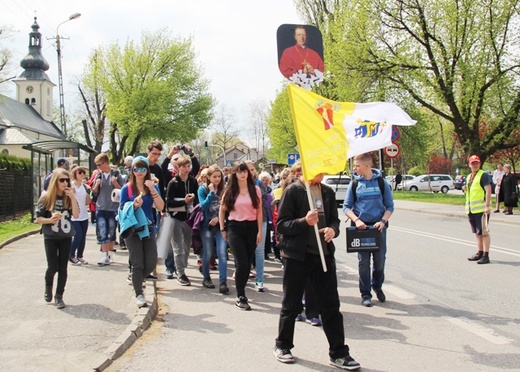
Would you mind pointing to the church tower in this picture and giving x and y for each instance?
(33, 86)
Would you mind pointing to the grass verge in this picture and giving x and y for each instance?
(13, 228)
(454, 197)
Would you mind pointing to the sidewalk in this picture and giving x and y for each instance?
(100, 322)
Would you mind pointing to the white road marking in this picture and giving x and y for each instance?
(392, 289)
(495, 248)
(486, 333)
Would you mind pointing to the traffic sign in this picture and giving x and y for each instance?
(393, 150)
(292, 158)
(395, 133)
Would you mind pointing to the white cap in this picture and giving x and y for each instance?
(129, 159)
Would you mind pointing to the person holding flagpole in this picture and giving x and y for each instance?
(300, 251)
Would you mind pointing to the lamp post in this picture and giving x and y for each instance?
(220, 147)
(60, 75)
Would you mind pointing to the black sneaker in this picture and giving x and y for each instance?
(223, 288)
(151, 277)
(183, 280)
(207, 283)
(477, 256)
(347, 363)
(48, 293)
(283, 355)
(241, 303)
(58, 301)
(380, 295)
(483, 260)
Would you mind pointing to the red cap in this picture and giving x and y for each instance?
(473, 158)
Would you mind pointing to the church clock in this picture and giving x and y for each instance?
(29, 89)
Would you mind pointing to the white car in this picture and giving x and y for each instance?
(339, 184)
(391, 180)
(430, 182)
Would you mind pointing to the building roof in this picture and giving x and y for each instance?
(14, 114)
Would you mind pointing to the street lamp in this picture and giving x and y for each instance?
(220, 147)
(60, 75)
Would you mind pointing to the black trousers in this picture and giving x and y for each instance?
(325, 284)
(241, 236)
(57, 252)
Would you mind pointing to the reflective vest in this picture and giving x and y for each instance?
(475, 195)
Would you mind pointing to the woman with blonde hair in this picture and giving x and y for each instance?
(54, 213)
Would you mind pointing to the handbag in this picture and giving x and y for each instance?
(367, 240)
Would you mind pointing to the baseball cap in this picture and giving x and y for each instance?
(473, 158)
(61, 161)
(129, 159)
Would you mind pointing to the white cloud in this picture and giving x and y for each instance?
(235, 39)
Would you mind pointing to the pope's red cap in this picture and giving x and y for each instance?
(473, 158)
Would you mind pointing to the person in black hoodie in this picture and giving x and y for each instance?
(299, 248)
(180, 200)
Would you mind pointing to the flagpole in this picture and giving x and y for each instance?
(316, 231)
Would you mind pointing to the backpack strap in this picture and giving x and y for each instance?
(129, 190)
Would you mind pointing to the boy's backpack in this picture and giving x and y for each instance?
(380, 182)
(46, 180)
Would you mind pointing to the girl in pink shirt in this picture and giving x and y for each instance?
(242, 204)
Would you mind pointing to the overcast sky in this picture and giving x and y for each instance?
(235, 40)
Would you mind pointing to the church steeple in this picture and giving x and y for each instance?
(34, 63)
(33, 86)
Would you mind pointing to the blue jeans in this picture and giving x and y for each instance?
(80, 236)
(378, 270)
(211, 235)
(106, 226)
(260, 255)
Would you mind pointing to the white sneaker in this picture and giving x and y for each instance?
(104, 260)
(111, 256)
(141, 301)
(83, 262)
(259, 286)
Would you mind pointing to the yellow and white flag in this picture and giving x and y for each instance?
(329, 132)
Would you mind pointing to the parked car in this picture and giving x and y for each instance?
(339, 184)
(459, 182)
(391, 180)
(430, 182)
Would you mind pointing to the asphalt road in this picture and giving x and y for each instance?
(442, 311)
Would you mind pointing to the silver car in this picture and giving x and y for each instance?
(338, 184)
(430, 182)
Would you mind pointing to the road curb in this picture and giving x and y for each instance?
(126, 339)
(18, 237)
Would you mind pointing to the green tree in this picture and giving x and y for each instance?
(94, 103)
(280, 128)
(456, 58)
(153, 90)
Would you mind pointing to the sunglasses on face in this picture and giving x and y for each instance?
(80, 172)
(140, 170)
(242, 171)
(63, 180)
